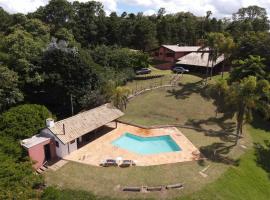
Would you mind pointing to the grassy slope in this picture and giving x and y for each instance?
(248, 181)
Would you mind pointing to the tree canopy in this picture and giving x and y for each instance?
(23, 121)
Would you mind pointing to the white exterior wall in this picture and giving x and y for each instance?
(72, 147)
(63, 149)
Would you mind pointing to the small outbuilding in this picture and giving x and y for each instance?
(58, 139)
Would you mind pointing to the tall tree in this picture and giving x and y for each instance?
(5, 20)
(119, 97)
(10, 94)
(254, 43)
(252, 66)
(67, 72)
(252, 18)
(58, 13)
(245, 96)
(89, 22)
(226, 47)
(145, 34)
(212, 45)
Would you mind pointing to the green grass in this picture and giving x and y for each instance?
(171, 105)
(157, 62)
(248, 181)
(184, 105)
(144, 84)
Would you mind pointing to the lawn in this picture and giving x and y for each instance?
(184, 105)
(247, 181)
(166, 77)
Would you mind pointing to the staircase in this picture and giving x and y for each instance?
(175, 79)
(43, 168)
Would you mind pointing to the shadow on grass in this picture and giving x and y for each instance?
(262, 153)
(217, 152)
(259, 122)
(186, 90)
(227, 128)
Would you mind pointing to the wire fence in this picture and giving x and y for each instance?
(142, 86)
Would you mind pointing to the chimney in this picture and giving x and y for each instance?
(64, 129)
(49, 123)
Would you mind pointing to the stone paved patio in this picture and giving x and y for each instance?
(101, 148)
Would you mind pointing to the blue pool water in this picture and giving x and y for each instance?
(146, 145)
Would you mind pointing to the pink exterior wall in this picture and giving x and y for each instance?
(180, 54)
(37, 153)
(162, 55)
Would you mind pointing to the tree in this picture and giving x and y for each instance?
(22, 47)
(119, 96)
(17, 177)
(226, 47)
(10, 94)
(23, 121)
(254, 43)
(5, 21)
(245, 96)
(252, 66)
(89, 22)
(58, 13)
(212, 45)
(118, 63)
(67, 72)
(252, 18)
(145, 34)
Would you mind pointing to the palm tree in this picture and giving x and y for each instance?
(226, 48)
(245, 96)
(119, 97)
(211, 45)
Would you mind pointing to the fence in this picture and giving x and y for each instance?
(152, 84)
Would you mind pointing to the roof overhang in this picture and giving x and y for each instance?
(78, 125)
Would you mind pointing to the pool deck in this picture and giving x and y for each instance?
(101, 148)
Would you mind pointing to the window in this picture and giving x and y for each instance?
(156, 54)
(71, 142)
(57, 144)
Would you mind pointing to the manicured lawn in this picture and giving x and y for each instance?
(248, 181)
(143, 84)
(183, 105)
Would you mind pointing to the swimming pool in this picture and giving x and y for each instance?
(146, 145)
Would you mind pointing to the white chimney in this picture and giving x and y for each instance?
(49, 123)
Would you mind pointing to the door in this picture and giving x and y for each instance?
(47, 150)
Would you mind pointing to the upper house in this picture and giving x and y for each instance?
(59, 139)
(171, 53)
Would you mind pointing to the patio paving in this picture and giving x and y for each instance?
(101, 148)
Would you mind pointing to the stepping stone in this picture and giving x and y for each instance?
(243, 146)
(203, 174)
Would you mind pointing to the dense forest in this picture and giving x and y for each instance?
(71, 56)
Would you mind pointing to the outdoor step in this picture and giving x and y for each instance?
(43, 168)
(39, 171)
